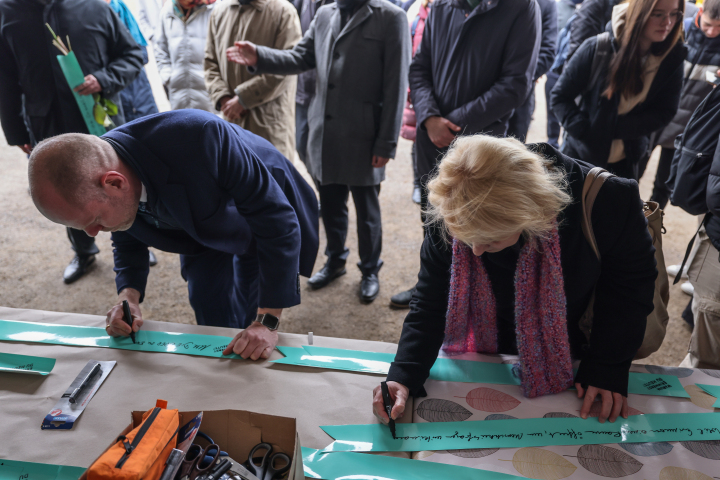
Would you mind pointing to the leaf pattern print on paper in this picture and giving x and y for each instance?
(700, 397)
(607, 462)
(438, 410)
(677, 371)
(473, 452)
(542, 464)
(647, 449)
(559, 415)
(712, 373)
(705, 448)
(423, 454)
(500, 416)
(677, 473)
(490, 400)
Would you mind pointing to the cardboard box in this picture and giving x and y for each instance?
(238, 431)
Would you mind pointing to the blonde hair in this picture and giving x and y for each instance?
(487, 189)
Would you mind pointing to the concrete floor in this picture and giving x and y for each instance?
(34, 253)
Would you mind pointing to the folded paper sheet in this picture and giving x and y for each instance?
(74, 76)
(713, 390)
(9, 362)
(147, 341)
(531, 432)
(451, 370)
(358, 466)
(14, 470)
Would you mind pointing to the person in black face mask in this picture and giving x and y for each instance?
(361, 49)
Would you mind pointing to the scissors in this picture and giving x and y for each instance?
(267, 470)
(199, 461)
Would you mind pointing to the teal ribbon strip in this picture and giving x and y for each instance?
(451, 370)
(147, 341)
(713, 390)
(357, 466)
(10, 362)
(531, 432)
(14, 470)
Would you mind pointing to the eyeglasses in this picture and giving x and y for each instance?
(674, 16)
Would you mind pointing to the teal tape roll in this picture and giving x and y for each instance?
(531, 432)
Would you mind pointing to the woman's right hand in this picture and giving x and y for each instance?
(244, 53)
(399, 393)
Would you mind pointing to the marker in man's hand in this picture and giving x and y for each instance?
(127, 316)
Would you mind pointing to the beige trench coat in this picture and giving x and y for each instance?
(269, 99)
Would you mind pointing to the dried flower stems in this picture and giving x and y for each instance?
(57, 41)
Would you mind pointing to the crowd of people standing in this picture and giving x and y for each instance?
(338, 82)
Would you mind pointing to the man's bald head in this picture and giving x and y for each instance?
(79, 181)
(71, 164)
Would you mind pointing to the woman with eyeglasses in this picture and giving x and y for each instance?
(629, 82)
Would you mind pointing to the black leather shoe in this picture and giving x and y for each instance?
(402, 299)
(77, 268)
(153, 258)
(325, 276)
(369, 288)
(416, 195)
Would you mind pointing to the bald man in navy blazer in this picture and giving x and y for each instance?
(243, 220)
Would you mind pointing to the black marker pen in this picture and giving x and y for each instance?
(86, 381)
(128, 318)
(388, 403)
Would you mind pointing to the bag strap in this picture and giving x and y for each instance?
(603, 49)
(593, 182)
(689, 248)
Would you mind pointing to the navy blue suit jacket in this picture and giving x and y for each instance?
(228, 189)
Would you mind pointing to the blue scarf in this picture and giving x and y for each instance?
(127, 18)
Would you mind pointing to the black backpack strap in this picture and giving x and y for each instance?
(601, 58)
(689, 248)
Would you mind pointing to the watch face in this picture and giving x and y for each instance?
(270, 321)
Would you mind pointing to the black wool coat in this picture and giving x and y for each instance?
(624, 284)
(593, 125)
(473, 67)
(28, 67)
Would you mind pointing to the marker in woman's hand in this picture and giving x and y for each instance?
(388, 403)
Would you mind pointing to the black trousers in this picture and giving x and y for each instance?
(223, 288)
(553, 126)
(82, 243)
(519, 122)
(333, 205)
(661, 192)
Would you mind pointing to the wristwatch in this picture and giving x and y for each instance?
(268, 320)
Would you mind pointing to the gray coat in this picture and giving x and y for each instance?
(362, 81)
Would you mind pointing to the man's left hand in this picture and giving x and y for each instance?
(89, 86)
(379, 162)
(233, 109)
(613, 403)
(256, 341)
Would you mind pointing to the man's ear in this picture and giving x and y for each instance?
(114, 182)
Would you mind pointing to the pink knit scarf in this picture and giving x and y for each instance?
(540, 314)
